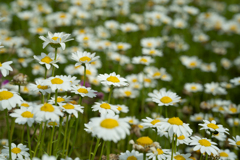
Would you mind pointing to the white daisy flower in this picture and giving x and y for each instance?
(71, 109)
(59, 82)
(121, 46)
(158, 153)
(177, 156)
(183, 140)
(142, 60)
(122, 108)
(17, 151)
(9, 99)
(151, 123)
(132, 120)
(126, 92)
(4, 142)
(40, 86)
(48, 60)
(112, 79)
(46, 111)
(227, 155)
(110, 127)
(52, 123)
(235, 81)
(215, 89)
(175, 126)
(5, 68)
(84, 58)
(60, 99)
(198, 117)
(213, 127)
(193, 87)
(45, 157)
(165, 98)
(105, 108)
(152, 52)
(84, 91)
(23, 116)
(134, 155)
(235, 141)
(56, 39)
(204, 145)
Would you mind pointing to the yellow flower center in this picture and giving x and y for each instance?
(131, 158)
(159, 151)
(144, 60)
(193, 88)
(134, 80)
(130, 121)
(149, 44)
(113, 79)
(21, 60)
(57, 81)
(5, 95)
(152, 52)
(182, 137)
(85, 38)
(52, 123)
(198, 118)
(175, 121)
(156, 74)
(0, 64)
(68, 106)
(128, 93)
(85, 58)
(193, 64)
(55, 38)
(155, 121)
(144, 141)
(60, 99)
(63, 16)
(27, 114)
(140, 126)
(213, 126)
(223, 154)
(42, 87)
(109, 123)
(179, 157)
(88, 72)
(221, 109)
(39, 30)
(119, 108)
(193, 158)
(16, 150)
(105, 106)
(204, 142)
(120, 47)
(82, 90)
(147, 80)
(25, 105)
(233, 110)
(46, 59)
(166, 99)
(47, 108)
(238, 143)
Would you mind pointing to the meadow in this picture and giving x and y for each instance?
(119, 80)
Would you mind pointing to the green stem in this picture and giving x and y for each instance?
(68, 141)
(45, 76)
(110, 94)
(172, 147)
(56, 95)
(144, 156)
(59, 135)
(75, 133)
(42, 99)
(35, 129)
(42, 138)
(108, 149)
(9, 135)
(206, 156)
(100, 157)
(12, 128)
(54, 59)
(95, 149)
(19, 89)
(65, 134)
(84, 78)
(166, 114)
(22, 134)
(29, 141)
(201, 156)
(39, 138)
(52, 134)
(89, 156)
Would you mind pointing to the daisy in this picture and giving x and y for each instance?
(178, 156)
(121, 46)
(183, 140)
(152, 123)
(46, 111)
(122, 108)
(158, 153)
(110, 127)
(56, 39)
(60, 99)
(142, 60)
(213, 127)
(52, 123)
(23, 116)
(215, 89)
(5, 68)
(198, 117)
(48, 60)
(127, 92)
(132, 120)
(71, 109)
(84, 91)
(104, 108)
(152, 52)
(134, 155)
(204, 145)
(227, 155)
(175, 126)
(193, 87)
(112, 79)
(165, 98)
(235, 141)
(9, 99)
(17, 151)
(59, 82)
(45, 157)
(85, 58)
(40, 86)
(235, 81)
